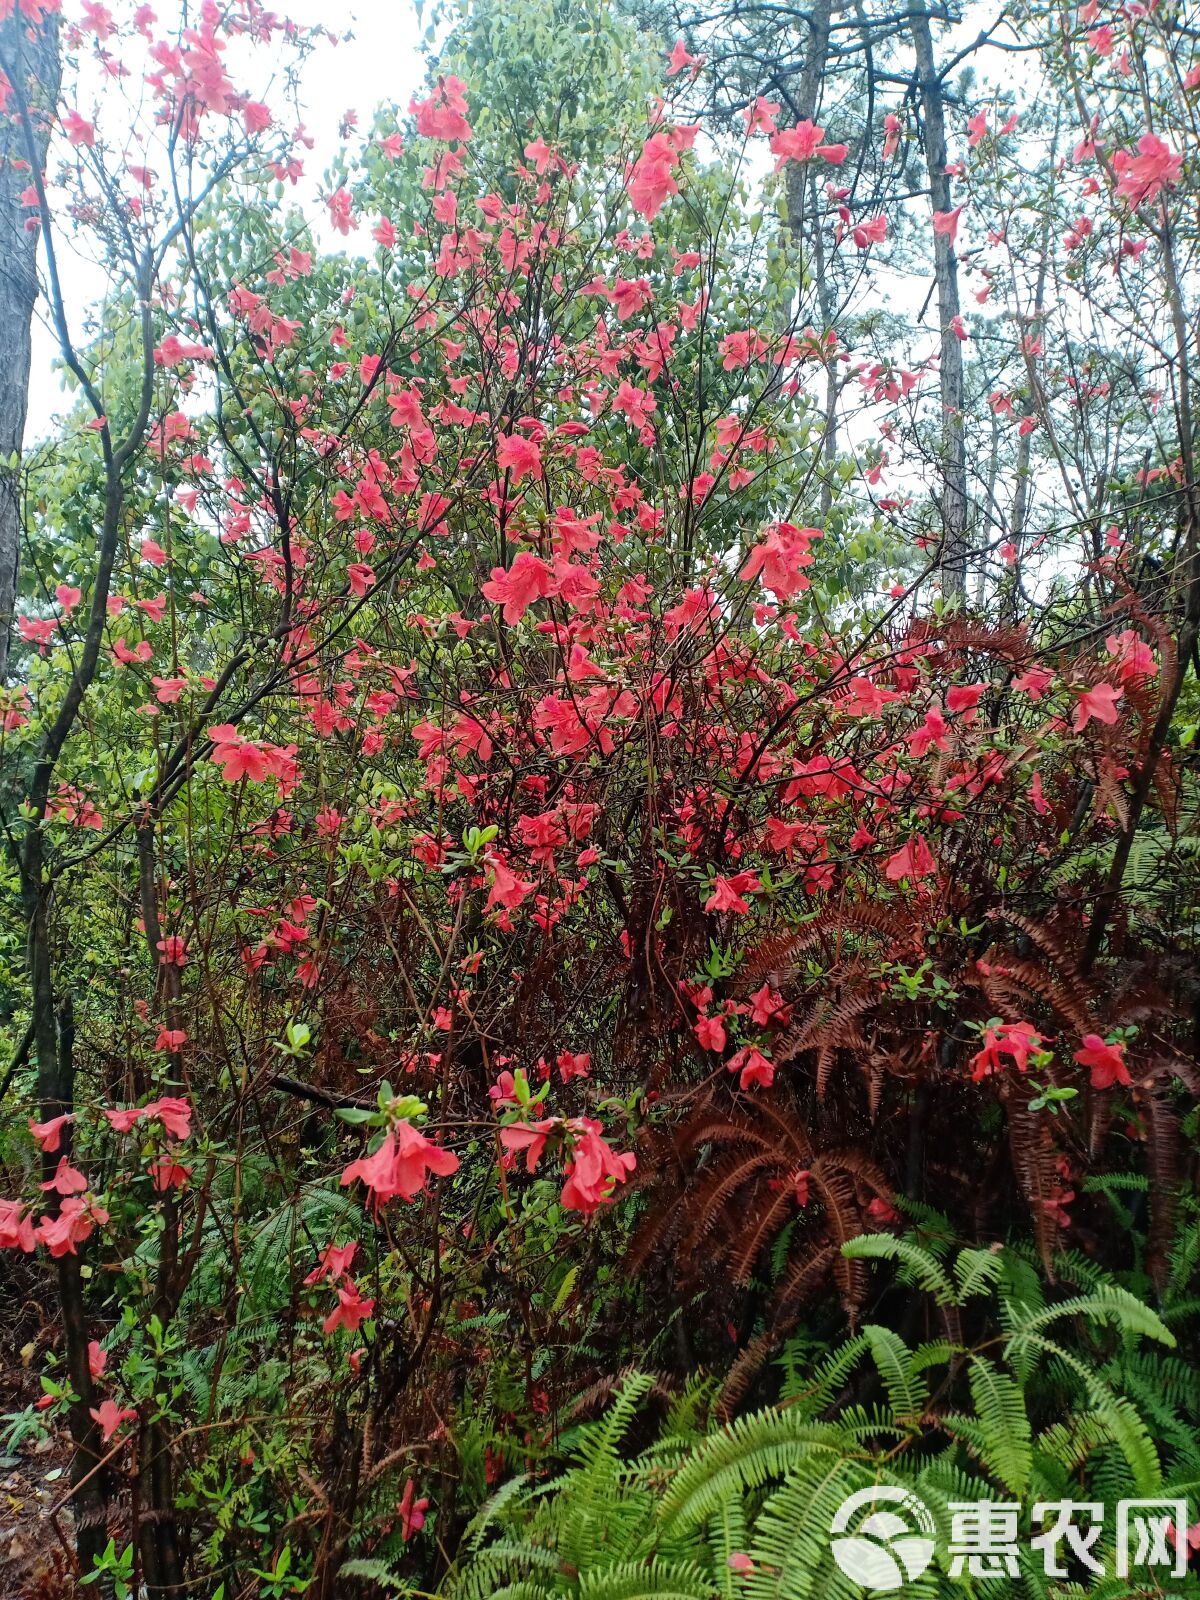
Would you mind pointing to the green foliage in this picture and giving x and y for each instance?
(296, 810)
(1025, 1415)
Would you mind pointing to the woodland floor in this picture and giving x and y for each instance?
(35, 1536)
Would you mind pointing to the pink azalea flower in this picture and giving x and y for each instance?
(1099, 702)
(594, 1170)
(350, 1311)
(1106, 1061)
(913, 860)
(400, 1164)
(110, 1416)
(49, 1134)
(411, 1512)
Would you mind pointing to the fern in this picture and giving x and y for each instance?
(743, 1510)
(1109, 1303)
(918, 1265)
(635, 1581)
(906, 1394)
(1007, 1443)
(372, 1571)
(744, 1456)
(976, 1272)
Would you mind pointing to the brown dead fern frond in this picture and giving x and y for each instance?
(1034, 1160)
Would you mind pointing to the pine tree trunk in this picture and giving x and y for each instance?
(954, 459)
(805, 100)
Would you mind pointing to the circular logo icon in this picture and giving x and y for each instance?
(882, 1550)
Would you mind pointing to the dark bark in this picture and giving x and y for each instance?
(54, 1040)
(954, 458)
(805, 99)
(1020, 508)
(158, 1533)
(55, 1067)
(34, 52)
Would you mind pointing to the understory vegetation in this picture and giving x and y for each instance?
(600, 813)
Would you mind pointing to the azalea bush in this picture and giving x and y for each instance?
(517, 855)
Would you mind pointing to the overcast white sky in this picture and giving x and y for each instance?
(381, 63)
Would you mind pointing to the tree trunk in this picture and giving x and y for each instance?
(54, 1037)
(954, 459)
(1020, 508)
(805, 105)
(34, 49)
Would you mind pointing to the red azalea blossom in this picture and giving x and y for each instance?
(1144, 175)
(67, 1179)
(573, 1066)
(802, 143)
(16, 1227)
(1099, 702)
(913, 860)
(1105, 1061)
(530, 1137)
(110, 1416)
(350, 1311)
(411, 1512)
(400, 1164)
(335, 1260)
(593, 1170)
(728, 894)
(49, 1134)
(1017, 1040)
(75, 1223)
(167, 1174)
(756, 1069)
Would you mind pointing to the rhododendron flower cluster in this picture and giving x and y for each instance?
(172, 1111)
(1017, 1041)
(398, 1167)
(1105, 1061)
(61, 1231)
(592, 1168)
(652, 176)
(513, 633)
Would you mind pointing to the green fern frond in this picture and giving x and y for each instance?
(373, 1571)
(494, 1511)
(653, 1580)
(907, 1395)
(815, 1391)
(1129, 1431)
(744, 1456)
(791, 1548)
(977, 1271)
(917, 1265)
(1108, 1303)
(1007, 1443)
